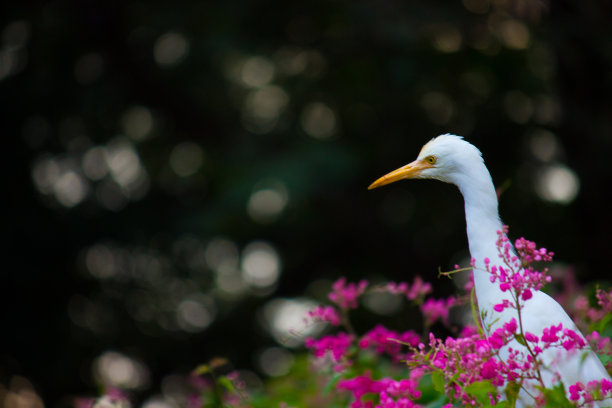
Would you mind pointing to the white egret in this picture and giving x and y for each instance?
(451, 159)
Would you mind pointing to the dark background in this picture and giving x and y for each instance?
(137, 133)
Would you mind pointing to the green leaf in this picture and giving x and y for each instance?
(332, 383)
(202, 369)
(481, 390)
(226, 383)
(438, 403)
(555, 397)
(601, 325)
(520, 338)
(512, 392)
(438, 381)
(475, 312)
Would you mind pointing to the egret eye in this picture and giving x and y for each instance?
(431, 159)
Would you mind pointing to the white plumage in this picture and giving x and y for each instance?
(451, 159)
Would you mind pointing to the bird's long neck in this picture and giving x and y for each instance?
(482, 224)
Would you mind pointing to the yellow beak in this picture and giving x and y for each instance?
(409, 171)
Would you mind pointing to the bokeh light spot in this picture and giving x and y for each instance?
(119, 370)
(170, 49)
(261, 264)
(558, 183)
(291, 60)
(94, 163)
(195, 314)
(257, 72)
(70, 188)
(275, 361)
(263, 107)
(268, 202)
(319, 120)
(126, 168)
(544, 145)
(137, 122)
(44, 173)
(382, 303)
(476, 6)
(447, 39)
(284, 319)
(20, 394)
(221, 254)
(514, 34)
(186, 158)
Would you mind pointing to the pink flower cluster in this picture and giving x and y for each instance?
(418, 290)
(587, 315)
(593, 391)
(461, 361)
(337, 345)
(528, 252)
(516, 274)
(391, 393)
(437, 309)
(471, 358)
(602, 346)
(346, 295)
(467, 365)
(324, 314)
(382, 340)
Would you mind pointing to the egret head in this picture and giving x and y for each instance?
(446, 158)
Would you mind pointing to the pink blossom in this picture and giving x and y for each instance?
(499, 307)
(511, 326)
(418, 289)
(516, 274)
(497, 339)
(381, 339)
(325, 314)
(549, 334)
(575, 390)
(391, 393)
(574, 341)
(437, 309)
(606, 386)
(346, 295)
(526, 295)
(337, 344)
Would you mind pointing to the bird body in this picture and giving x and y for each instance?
(451, 159)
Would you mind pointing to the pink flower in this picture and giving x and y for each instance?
(489, 369)
(391, 393)
(574, 341)
(497, 339)
(437, 309)
(418, 289)
(526, 295)
(575, 390)
(606, 386)
(381, 339)
(499, 307)
(336, 344)
(511, 327)
(325, 314)
(345, 295)
(549, 334)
